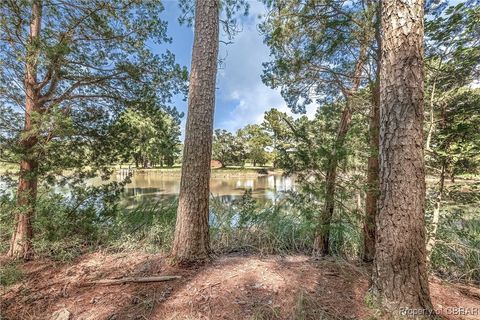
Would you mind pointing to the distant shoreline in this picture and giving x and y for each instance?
(215, 172)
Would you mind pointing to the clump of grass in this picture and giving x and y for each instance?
(10, 273)
(246, 226)
(149, 227)
(266, 312)
(456, 255)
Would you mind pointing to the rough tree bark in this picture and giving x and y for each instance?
(400, 277)
(322, 237)
(21, 241)
(191, 241)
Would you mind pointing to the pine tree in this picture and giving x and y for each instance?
(192, 241)
(400, 277)
(66, 68)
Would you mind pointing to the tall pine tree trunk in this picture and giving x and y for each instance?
(191, 241)
(400, 277)
(21, 241)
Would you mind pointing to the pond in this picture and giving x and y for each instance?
(156, 185)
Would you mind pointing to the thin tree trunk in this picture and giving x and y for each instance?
(431, 126)
(191, 241)
(400, 275)
(372, 179)
(438, 201)
(145, 161)
(322, 237)
(372, 164)
(21, 241)
(436, 214)
(358, 196)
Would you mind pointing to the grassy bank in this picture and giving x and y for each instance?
(67, 228)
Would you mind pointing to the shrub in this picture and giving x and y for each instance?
(10, 274)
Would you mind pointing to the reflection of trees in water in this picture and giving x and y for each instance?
(158, 187)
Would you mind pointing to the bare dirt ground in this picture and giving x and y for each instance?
(230, 287)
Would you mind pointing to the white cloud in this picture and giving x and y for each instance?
(239, 81)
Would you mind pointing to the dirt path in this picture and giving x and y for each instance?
(231, 287)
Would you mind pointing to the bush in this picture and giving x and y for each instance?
(10, 274)
(150, 227)
(244, 225)
(67, 225)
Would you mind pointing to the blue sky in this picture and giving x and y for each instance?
(241, 97)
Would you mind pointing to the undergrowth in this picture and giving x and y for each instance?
(95, 219)
(10, 273)
(456, 255)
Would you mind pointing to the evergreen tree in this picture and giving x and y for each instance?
(400, 278)
(228, 148)
(192, 241)
(146, 134)
(452, 65)
(66, 67)
(320, 50)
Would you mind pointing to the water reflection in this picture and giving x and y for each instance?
(154, 186)
(157, 186)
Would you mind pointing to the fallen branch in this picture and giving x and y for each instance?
(134, 280)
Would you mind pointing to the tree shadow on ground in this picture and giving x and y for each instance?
(251, 287)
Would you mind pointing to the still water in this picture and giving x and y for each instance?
(154, 186)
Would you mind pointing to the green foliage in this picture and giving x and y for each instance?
(147, 227)
(456, 255)
(228, 148)
(246, 226)
(256, 140)
(452, 47)
(89, 218)
(10, 273)
(303, 147)
(455, 140)
(70, 224)
(315, 47)
(148, 135)
(91, 61)
(7, 220)
(452, 64)
(230, 11)
(67, 224)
